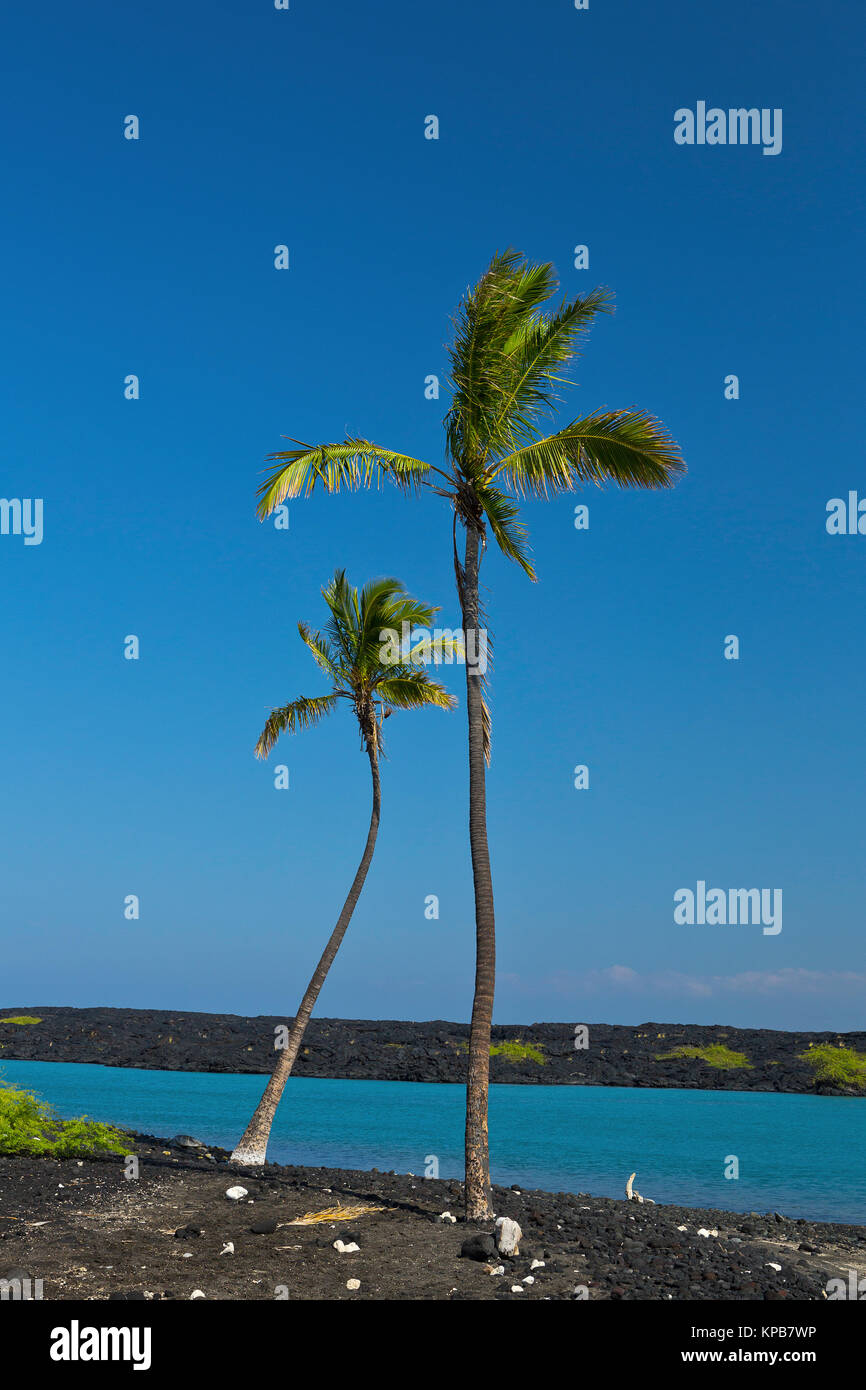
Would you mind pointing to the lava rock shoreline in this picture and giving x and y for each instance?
(88, 1233)
(391, 1050)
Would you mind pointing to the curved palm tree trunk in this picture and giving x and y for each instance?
(253, 1146)
(477, 1192)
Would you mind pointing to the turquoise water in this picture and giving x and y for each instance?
(800, 1155)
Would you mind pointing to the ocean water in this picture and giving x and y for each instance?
(800, 1155)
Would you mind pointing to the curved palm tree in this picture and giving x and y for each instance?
(360, 653)
(506, 356)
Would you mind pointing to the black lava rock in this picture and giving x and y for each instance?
(478, 1247)
(648, 1054)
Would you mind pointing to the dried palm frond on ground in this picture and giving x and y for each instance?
(312, 1218)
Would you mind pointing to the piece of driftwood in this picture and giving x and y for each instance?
(634, 1196)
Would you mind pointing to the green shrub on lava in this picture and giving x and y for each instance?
(29, 1126)
(517, 1051)
(513, 1051)
(715, 1055)
(840, 1065)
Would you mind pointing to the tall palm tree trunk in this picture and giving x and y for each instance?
(477, 1191)
(254, 1144)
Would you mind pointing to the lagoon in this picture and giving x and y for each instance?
(799, 1155)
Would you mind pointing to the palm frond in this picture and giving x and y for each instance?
(341, 629)
(385, 603)
(436, 649)
(325, 658)
(486, 730)
(505, 355)
(352, 464)
(302, 713)
(541, 346)
(627, 447)
(486, 316)
(509, 531)
(414, 690)
(386, 608)
(529, 286)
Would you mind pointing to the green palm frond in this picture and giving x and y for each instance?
(352, 464)
(541, 346)
(529, 285)
(302, 713)
(437, 650)
(509, 531)
(400, 609)
(385, 602)
(341, 629)
(627, 447)
(386, 608)
(506, 356)
(486, 317)
(325, 658)
(414, 690)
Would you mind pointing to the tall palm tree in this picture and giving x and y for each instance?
(360, 652)
(507, 354)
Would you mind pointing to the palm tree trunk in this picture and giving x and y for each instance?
(477, 1192)
(253, 1146)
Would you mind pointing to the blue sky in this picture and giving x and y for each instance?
(155, 257)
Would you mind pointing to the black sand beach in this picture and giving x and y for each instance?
(88, 1232)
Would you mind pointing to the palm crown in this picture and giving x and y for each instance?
(351, 654)
(507, 356)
